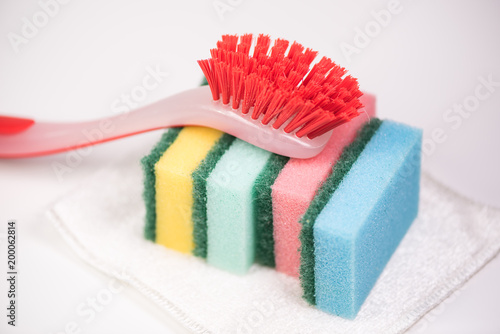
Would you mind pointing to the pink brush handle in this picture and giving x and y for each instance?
(20, 138)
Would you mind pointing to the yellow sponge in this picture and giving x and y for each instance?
(174, 186)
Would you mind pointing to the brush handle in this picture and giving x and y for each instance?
(20, 138)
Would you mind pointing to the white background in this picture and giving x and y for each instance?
(426, 59)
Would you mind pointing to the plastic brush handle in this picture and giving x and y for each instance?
(20, 138)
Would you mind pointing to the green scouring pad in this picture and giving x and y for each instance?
(149, 194)
(200, 176)
(349, 156)
(263, 208)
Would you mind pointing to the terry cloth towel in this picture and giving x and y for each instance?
(103, 221)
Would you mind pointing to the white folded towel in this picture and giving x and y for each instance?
(449, 242)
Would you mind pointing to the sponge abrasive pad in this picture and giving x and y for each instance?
(297, 184)
(230, 217)
(263, 208)
(200, 176)
(174, 186)
(366, 218)
(343, 165)
(148, 166)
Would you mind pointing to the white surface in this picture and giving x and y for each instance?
(428, 58)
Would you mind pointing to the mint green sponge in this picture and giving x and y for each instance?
(230, 214)
(199, 177)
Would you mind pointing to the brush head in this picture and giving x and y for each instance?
(279, 88)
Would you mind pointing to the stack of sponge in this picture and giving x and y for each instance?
(333, 220)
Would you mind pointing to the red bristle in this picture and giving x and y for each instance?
(302, 68)
(294, 78)
(275, 105)
(310, 91)
(326, 64)
(296, 121)
(284, 84)
(339, 120)
(319, 69)
(332, 81)
(263, 43)
(232, 59)
(281, 87)
(215, 53)
(245, 44)
(348, 83)
(264, 72)
(354, 105)
(246, 39)
(230, 41)
(269, 61)
(296, 50)
(237, 88)
(348, 114)
(262, 101)
(288, 66)
(252, 84)
(312, 116)
(207, 66)
(276, 71)
(329, 90)
(339, 94)
(322, 101)
(243, 63)
(334, 106)
(289, 109)
(224, 81)
(335, 75)
(309, 56)
(320, 120)
(337, 106)
(244, 49)
(323, 129)
(223, 45)
(238, 60)
(357, 93)
(250, 66)
(261, 60)
(279, 48)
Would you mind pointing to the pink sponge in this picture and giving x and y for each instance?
(297, 184)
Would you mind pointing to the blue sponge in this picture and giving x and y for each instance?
(365, 219)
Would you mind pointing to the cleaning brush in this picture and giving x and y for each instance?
(272, 99)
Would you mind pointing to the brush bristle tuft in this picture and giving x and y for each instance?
(280, 88)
